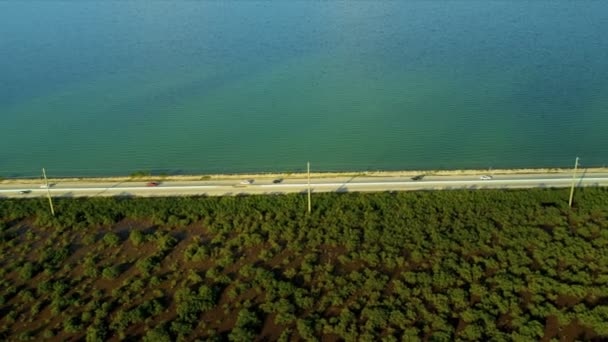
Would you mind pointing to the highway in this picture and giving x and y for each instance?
(264, 185)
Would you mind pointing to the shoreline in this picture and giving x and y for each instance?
(286, 175)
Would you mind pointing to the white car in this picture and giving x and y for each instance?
(485, 177)
(247, 182)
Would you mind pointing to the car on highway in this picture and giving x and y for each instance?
(278, 181)
(417, 178)
(485, 177)
(247, 182)
(153, 184)
(24, 192)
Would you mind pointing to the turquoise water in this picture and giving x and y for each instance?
(109, 88)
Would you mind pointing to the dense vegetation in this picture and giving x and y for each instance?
(439, 266)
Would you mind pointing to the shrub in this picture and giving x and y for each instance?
(165, 242)
(110, 272)
(158, 334)
(91, 271)
(147, 264)
(245, 328)
(71, 325)
(27, 271)
(140, 174)
(96, 334)
(196, 252)
(26, 336)
(88, 239)
(181, 328)
(190, 304)
(51, 257)
(111, 239)
(194, 277)
(305, 330)
(137, 237)
(26, 295)
(35, 308)
(48, 333)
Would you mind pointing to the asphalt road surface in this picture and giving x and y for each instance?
(295, 185)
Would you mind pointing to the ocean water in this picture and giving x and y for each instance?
(113, 87)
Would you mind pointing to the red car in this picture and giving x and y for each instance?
(153, 184)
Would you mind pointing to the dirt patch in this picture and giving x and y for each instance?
(566, 301)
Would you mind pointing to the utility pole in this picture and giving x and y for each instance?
(573, 182)
(308, 168)
(48, 192)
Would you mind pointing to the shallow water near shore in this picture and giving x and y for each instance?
(109, 88)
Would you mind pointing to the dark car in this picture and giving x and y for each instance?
(417, 178)
(24, 192)
(153, 184)
(278, 181)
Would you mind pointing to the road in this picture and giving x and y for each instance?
(266, 185)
